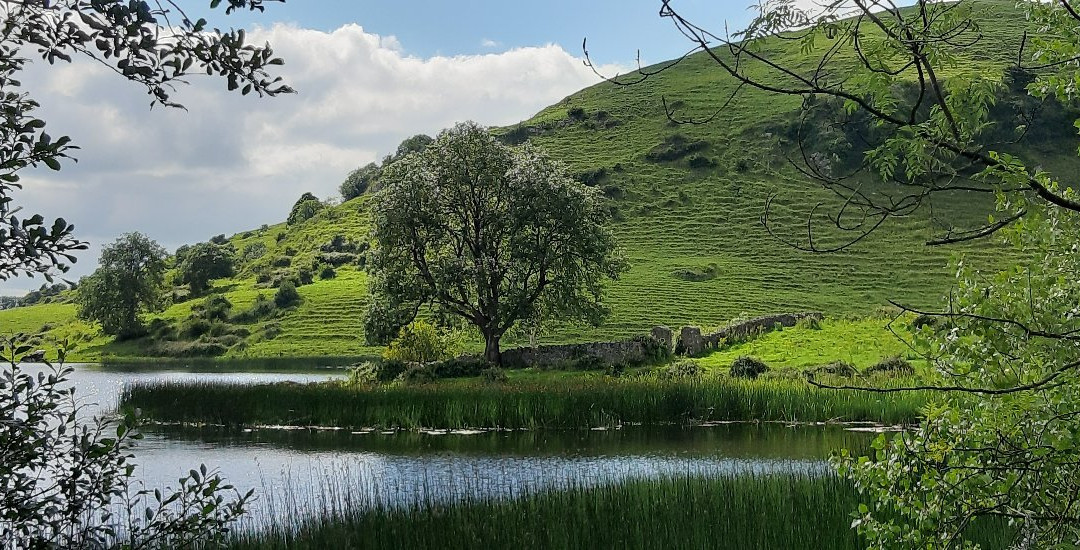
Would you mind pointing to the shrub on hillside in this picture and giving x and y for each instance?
(809, 323)
(683, 368)
(675, 147)
(281, 261)
(337, 259)
(748, 367)
(891, 366)
(253, 251)
(286, 295)
(327, 272)
(261, 309)
(214, 308)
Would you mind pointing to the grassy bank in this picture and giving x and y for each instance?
(776, 511)
(580, 402)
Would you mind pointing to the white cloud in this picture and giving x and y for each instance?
(231, 163)
(489, 43)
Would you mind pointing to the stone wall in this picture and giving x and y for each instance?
(624, 351)
(693, 342)
(637, 350)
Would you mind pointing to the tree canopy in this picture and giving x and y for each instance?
(366, 178)
(205, 262)
(128, 282)
(489, 234)
(304, 208)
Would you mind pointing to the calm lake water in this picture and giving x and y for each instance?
(300, 473)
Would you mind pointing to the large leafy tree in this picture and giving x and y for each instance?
(128, 282)
(489, 234)
(1002, 440)
(205, 262)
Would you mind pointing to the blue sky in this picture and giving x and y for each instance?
(616, 29)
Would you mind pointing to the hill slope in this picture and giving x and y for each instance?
(686, 200)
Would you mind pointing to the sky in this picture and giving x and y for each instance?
(368, 75)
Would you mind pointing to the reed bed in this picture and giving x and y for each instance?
(575, 403)
(775, 511)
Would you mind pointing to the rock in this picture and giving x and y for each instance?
(664, 335)
(690, 341)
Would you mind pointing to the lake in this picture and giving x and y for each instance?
(298, 473)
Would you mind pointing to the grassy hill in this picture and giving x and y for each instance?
(686, 201)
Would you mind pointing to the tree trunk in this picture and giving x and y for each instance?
(491, 349)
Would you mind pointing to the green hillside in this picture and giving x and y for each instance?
(686, 200)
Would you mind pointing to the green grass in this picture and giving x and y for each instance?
(671, 218)
(776, 511)
(861, 342)
(579, 402)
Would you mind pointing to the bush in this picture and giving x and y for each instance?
(280, 237)
(281, 261)
(891, 366)
(253, 251)
(810, 323)
(655, 351)
(286, 295)
(494, 375)
(327, 272)
(699, 162)
(684, 368)
(304, 276)
(262, 308)
(417, 375)
(271, 331)
(837, 368)
(214, 308)
(195, 327)
(418, 342)
(372, 372)
(219, 239)
(337, 259)
(748, 367)
(460, 367)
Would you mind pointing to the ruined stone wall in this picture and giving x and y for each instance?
(624, 351)
(637, 350)
(693, 342)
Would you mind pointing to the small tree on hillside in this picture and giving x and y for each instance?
(205, 262)
(304, 209)
(487, 233)
(359, 181)
(128, 282)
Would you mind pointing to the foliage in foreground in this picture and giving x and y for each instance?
(775, 511)
(66, 480)
(577, 403)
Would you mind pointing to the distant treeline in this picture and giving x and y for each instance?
(45, 294)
